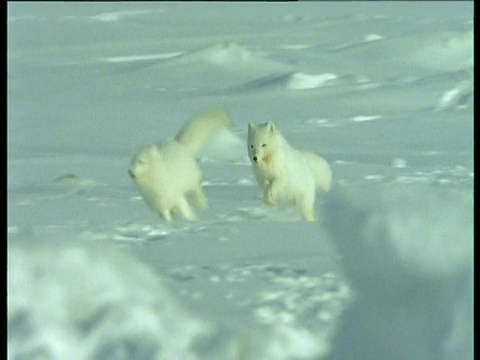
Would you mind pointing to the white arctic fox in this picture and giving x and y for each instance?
(285, 173)
(166, 174)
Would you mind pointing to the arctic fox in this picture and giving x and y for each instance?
(285, 173)
(166, 174)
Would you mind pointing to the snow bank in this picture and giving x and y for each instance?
(81, 300)
(408, 252)
(74, 297)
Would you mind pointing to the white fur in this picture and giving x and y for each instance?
(166, 174)
(285, 173)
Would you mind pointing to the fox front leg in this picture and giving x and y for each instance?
(268, 197)
(272, 192)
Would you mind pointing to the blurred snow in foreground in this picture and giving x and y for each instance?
(406, 250)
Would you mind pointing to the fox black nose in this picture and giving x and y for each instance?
(255, 158)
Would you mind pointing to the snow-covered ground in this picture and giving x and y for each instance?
(382, 90)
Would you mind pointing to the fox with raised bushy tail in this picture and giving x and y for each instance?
(168, 174)
(284, 173)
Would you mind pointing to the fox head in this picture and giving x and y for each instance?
(262, 141)
(142, 164)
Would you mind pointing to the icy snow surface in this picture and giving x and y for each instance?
(382, 90)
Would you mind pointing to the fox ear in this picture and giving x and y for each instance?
(271, 126)
(153, 149)
(251, 126)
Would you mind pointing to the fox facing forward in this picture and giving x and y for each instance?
(284, 173)
(168, 174)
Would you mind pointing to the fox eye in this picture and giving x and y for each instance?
(251, 146)
(263, 145)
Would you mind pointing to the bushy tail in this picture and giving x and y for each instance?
(321, 171)
(200, 131)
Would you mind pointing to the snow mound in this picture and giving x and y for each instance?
(82, 300)
(300, 81)
(78, 297)
(238, 59)
(408, 253)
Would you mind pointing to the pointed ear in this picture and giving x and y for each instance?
(251, 126)
(154, 150)
(271, 126)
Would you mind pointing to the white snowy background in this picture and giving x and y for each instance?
(382, 90)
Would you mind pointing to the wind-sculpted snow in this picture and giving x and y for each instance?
(382, 90)
(408, 56)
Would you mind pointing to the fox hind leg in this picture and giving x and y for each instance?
(306, 207)
(308, 214)
(166, 214)
(199, 197)
(185, 210)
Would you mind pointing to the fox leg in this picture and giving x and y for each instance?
(185, 209)
(268, 197)
(306, 207)
(272, 192)
(308, 214)
(166, 214)
(199, 197)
